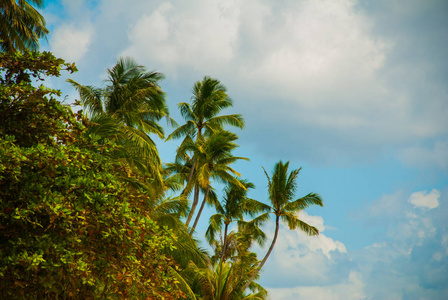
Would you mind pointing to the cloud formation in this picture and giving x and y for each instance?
(71, 42)
(411, 261)
(340, 87)
(422, 199)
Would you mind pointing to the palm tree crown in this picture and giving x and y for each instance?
(21, 25)
(208, 100)
(214, 157)
(235, 205)
(127, 110)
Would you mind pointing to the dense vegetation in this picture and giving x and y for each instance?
(89, 211)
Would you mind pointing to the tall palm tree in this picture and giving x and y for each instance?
(203, 117)
(214, 157)
(282, 187)
(127, 110)
(21, 25)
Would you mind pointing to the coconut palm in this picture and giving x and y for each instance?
(282, 187)
(222, 282)
(208, 100)
(234, 207)
(213, 155)
(203, 117)
(235, 245)
(127, 111)
(21, 25)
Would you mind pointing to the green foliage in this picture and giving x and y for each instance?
(23, 114)
(21, 25)
(87, 211)
(71, 223)
(127, 110)
(202, 117)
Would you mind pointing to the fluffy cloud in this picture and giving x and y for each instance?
(71, 42)
(315, 257)
(422, 199)
(200, 35)
(316, 67)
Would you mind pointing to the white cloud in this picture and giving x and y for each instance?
(314, 256)
(423, 199)
(315, 46)
(320, 242)
(352, 288)
(200, 35)
(71, 42)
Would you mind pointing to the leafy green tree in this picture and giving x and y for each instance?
(282, 187)
(21, 25)
(72, 223)
(127, 111)
(203, 117)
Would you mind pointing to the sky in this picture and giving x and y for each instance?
(353, 91)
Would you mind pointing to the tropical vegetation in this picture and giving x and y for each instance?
(89, 211)
(21, 25)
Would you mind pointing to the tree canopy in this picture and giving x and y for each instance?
(21, 25)
(72, 223)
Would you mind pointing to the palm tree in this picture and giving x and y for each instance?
(214, 156)
(127, 110)
(222, 282)
(21, 25)
(282, 187)
(235, 245)
(235, 205)
(202, 117)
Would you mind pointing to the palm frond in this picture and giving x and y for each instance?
(295, 223)
(304, 202)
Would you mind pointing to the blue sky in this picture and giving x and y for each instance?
(355, 92)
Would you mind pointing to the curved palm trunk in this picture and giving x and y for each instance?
(190, 176)
(193, 206)
(224, 243)
(200, 210)
(277, 223)
(196, 187)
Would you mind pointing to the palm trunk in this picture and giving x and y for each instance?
(224, 243)
(196, 187)
(190, 176)
(200, 210)
(193, 206)
(277, 223)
